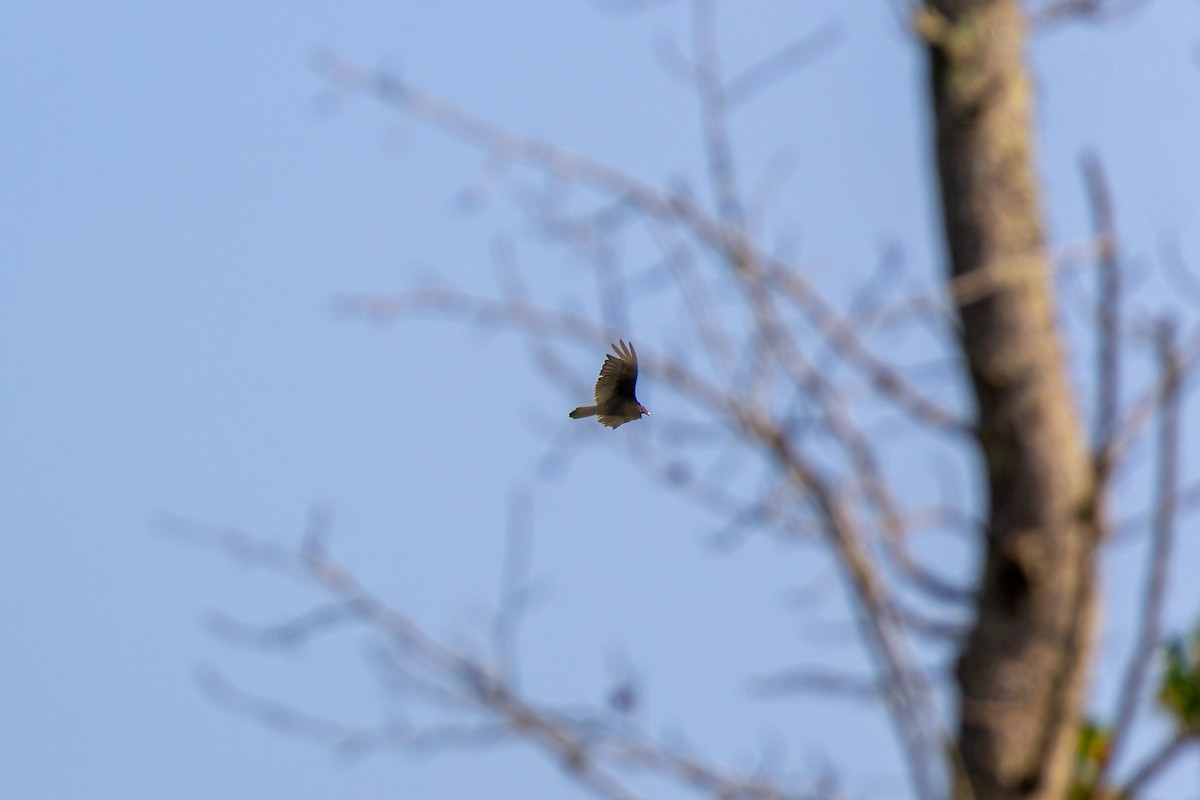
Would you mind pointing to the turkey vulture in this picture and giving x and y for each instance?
(615, 401)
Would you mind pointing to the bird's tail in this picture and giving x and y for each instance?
(584, 411)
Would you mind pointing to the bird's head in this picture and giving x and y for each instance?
(645, 411)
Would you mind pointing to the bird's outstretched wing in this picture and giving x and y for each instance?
(618, 374)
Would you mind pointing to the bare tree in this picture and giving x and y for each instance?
(812, 376)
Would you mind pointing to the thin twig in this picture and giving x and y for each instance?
(1142, 410)
(910, 704)
(755, 79)
(591, 753)
(1056, 12)
(1150, 619)
(816, 681)
(714, 114)
(346, 738)
(1159, 760)
(700, 303)
(1108, 314)
(721, 238)
(292, 633)
(761, 276)
(1184, 283)
(514, 589)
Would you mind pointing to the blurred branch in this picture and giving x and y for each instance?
(846, 343)
(760, 76)
(1186, 501)
(714, 114)
(1056, 12)
(1150, 620)
(933, 629)
(774, 293)
(295, 632)
(347, 739)
(1108, 314)
(1181, 275)
(938, 303)
(1159, 760)
(720, 237)
(1142, 411)
(533, 319)
(591, 750)
(772, 399)
(694, 291)
(514, 588)
(800, 679)
(910, 703)
(882, 626)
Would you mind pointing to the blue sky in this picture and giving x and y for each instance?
(179, 209)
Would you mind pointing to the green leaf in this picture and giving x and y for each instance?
(1179, 689)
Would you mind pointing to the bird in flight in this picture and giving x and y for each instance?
(616, 403)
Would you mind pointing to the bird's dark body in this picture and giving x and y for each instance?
(616, 401)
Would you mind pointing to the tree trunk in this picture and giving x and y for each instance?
(1022, 672)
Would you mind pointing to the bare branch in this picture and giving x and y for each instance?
(698, 775)
(695, 293)
(348, 739)
(293, 633)
(882, 626)
(593, 752)
(910, 703)
(714, 114)
(1150, 620)
(1183, 279)
(1056, 12)
(1159, 760)
(912, 709)
(1108, 316)
(514, 589)
(1143, 409)
(775, 433)
(760, 76)
(723, 239)
(843, 340)
(816, 681)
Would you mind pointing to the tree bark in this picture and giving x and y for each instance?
(1023, 669)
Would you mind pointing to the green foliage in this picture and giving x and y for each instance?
(1091, 751)
(1178, 695)
(1179, 690)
